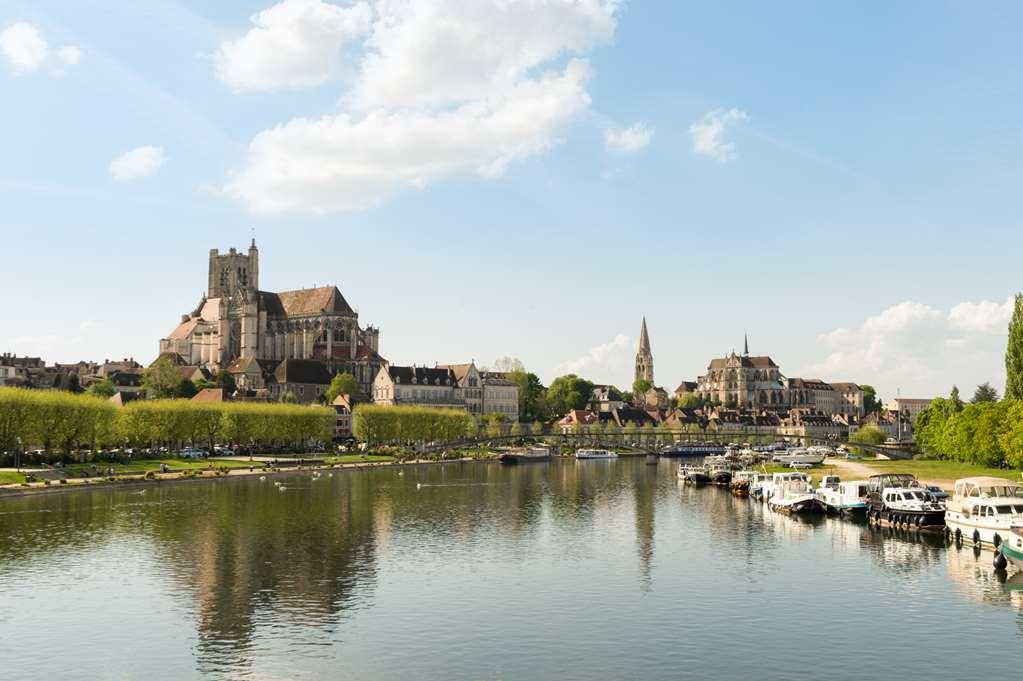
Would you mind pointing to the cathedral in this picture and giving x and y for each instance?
(235, 323)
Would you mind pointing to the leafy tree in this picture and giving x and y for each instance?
(342, 384)
(516, 429)
(871, 403)
(690, 401)
(531, 394)
(985, 393)
(509, 364)
(102, 388)
(536, 428)
(288, 397)
(160, 378)
(185, 389)
(202, 384)
(1014, 354)
(568, 392)
(954, 399)
(226, 381)
(640, 386)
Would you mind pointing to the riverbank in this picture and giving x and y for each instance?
(928, 471)
(236, 468)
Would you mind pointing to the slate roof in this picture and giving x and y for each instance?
(305, 302)
(461, 371)
(759, 362)
(845, 387)
(809, 384)
(302, 371)
(422, 375)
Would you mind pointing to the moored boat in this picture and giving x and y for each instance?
(525, 455)
(792, 494)
(1012, 546)
(741, 481)
(983, 510)
(694, 475)
(899, 500)
(595, 454)
(758, 486)
(846, 498)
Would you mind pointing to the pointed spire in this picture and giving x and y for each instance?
(644, 338)
(745, 345)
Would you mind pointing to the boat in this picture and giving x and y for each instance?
(984, 510)
(1012, 546)
(792, 494)
(720, 475)
(847, 498)
(741, 481)
(679, 450)
(595, 454)
(758, 486)
(694, 475)
(801, 456)
(525, 455)
(899, 500)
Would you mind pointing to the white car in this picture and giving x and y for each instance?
(191, 453)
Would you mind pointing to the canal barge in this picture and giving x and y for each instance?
(984, 510)
(848, 498)
(595, 454)
(525, 455)
(899, 500)
(694, 475)
(791, 494)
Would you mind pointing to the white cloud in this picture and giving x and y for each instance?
(443, 87)
(606, 359)
(708, 134)
(139, 162)
(23, 46)
(919, 348)
(632, 138)
(293, 44)
(70, 54)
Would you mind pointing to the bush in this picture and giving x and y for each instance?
(150, 475)
(63, 481)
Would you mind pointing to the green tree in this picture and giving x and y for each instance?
(531, 394)
(226, 381)
(71, 383)
(871, 403)
(640, 386)
(288, 397)
(690, 401)
(955, 400)
(1014, 354)
(985, 392)
(568, 392)
(202, 384)
(185, 389)
(160, 378)
(102, 388)
(342, 384)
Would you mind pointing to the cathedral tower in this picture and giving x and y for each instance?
(644, 358)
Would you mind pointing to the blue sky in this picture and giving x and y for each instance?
(839, 182)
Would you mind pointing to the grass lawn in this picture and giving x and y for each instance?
(357, 458)
(11, 477)
(144, 465)
(940, 472)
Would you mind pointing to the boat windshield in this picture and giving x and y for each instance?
(909, 496)
(1009, 509)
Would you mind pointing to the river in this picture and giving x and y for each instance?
(567, 570)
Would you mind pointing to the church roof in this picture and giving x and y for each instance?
(305, 302)
(183, 330)
(759, 362)
(302, 371)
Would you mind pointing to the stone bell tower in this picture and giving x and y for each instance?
(644, 358)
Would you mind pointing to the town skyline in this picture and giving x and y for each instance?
(863, 228)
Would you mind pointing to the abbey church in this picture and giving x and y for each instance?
(242, 329)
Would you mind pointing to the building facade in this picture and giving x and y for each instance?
(236, 320)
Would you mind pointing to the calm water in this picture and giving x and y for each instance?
(590, 570)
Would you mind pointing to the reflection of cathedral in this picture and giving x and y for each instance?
(235, 320)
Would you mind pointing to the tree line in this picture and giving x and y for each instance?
(64, 421)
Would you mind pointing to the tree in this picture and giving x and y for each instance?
(690, 401)
(185, 389)
(71, 383)
(509, 364)
(985, 392)
(202, 384)
(288, 397)
(342, 384)
(953, 398)
(867, 435)
(1014, 354)
(103, 388)
(568, 392)
(531, 394)
(640, 386)
(226, 381)
(871, 403)
(160, 378)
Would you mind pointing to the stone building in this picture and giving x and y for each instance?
(422, 386)
(500, 396)
(644, 357)
(743, 381)
(236, 320)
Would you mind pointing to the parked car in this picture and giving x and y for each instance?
(191, 453)
(936, 493)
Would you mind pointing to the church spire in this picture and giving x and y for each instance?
(644, 358)
(644, 338)
(745, 345)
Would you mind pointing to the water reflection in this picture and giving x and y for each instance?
(234, 578)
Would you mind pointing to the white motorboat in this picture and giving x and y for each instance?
(899, 500)
(759, 486)
(846, 498)
(791, 493)
(806, 456)
(984, 510)
(595, 454)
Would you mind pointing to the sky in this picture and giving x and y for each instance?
(489, 178)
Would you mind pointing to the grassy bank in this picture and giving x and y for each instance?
(943, 473)
(11, 477)
(357, 458)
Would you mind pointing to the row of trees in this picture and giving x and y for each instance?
(375, 424)
(985, 432)
(65, 421)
